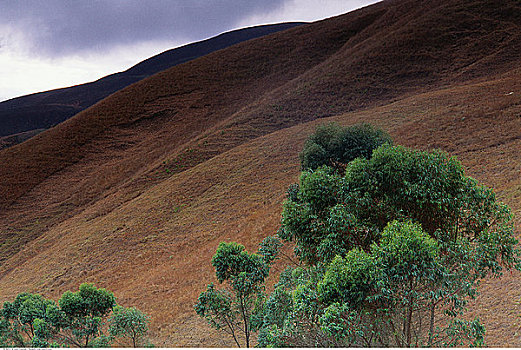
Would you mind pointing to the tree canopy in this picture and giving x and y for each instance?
(231, 309)
(396, 244)
(391, 243)
(77, 320)
(331, 214)
(335, 146)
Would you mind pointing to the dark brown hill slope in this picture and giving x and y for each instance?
(125, 138)
(45, 109)
(136, 192)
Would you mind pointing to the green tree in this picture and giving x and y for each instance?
(231, 309)
(129, 323)
(335, 146)
(396, 288)
(20, 319)
(84, 312)
(397, 246)
(78, 320)
(384, 297)
(331, 214)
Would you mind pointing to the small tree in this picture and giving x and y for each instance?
(20, 320)
(78, 320)
(129, 323)
(231, 309)
(84, 312)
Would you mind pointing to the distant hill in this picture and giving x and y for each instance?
(45, 109)
(135, 193)
(14, 139)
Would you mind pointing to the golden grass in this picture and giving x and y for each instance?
(135, 193)
(154, 251)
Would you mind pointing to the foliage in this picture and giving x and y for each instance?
(232, 308)
(385, 297)
(84, 312)
(21, 320)
(330, 215)
(129, 323)
(290, 314)
(393, 251)
(77, 320)
(401, 280)
(335, 146)
(350, 279)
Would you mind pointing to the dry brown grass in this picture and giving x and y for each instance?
(135, 193)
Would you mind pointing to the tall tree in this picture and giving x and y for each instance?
(396, 245)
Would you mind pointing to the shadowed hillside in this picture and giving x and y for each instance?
(135, 193)
(46, 109)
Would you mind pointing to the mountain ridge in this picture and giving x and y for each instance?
(45, 109)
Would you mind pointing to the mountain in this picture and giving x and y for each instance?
(46, 109)
(135, 193)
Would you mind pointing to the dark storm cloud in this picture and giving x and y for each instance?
(58, 27)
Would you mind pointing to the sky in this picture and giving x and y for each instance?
(48, 44)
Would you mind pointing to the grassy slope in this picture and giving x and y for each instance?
(149, 235)
(45, 109)
(126, 138)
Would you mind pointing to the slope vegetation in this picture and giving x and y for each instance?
(135, 193)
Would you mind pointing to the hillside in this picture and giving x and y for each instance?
(46, 109)
(135, 193)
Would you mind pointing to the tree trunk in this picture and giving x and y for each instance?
(409, 321)
(409, 315)
(245, 319)
(431, 326)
